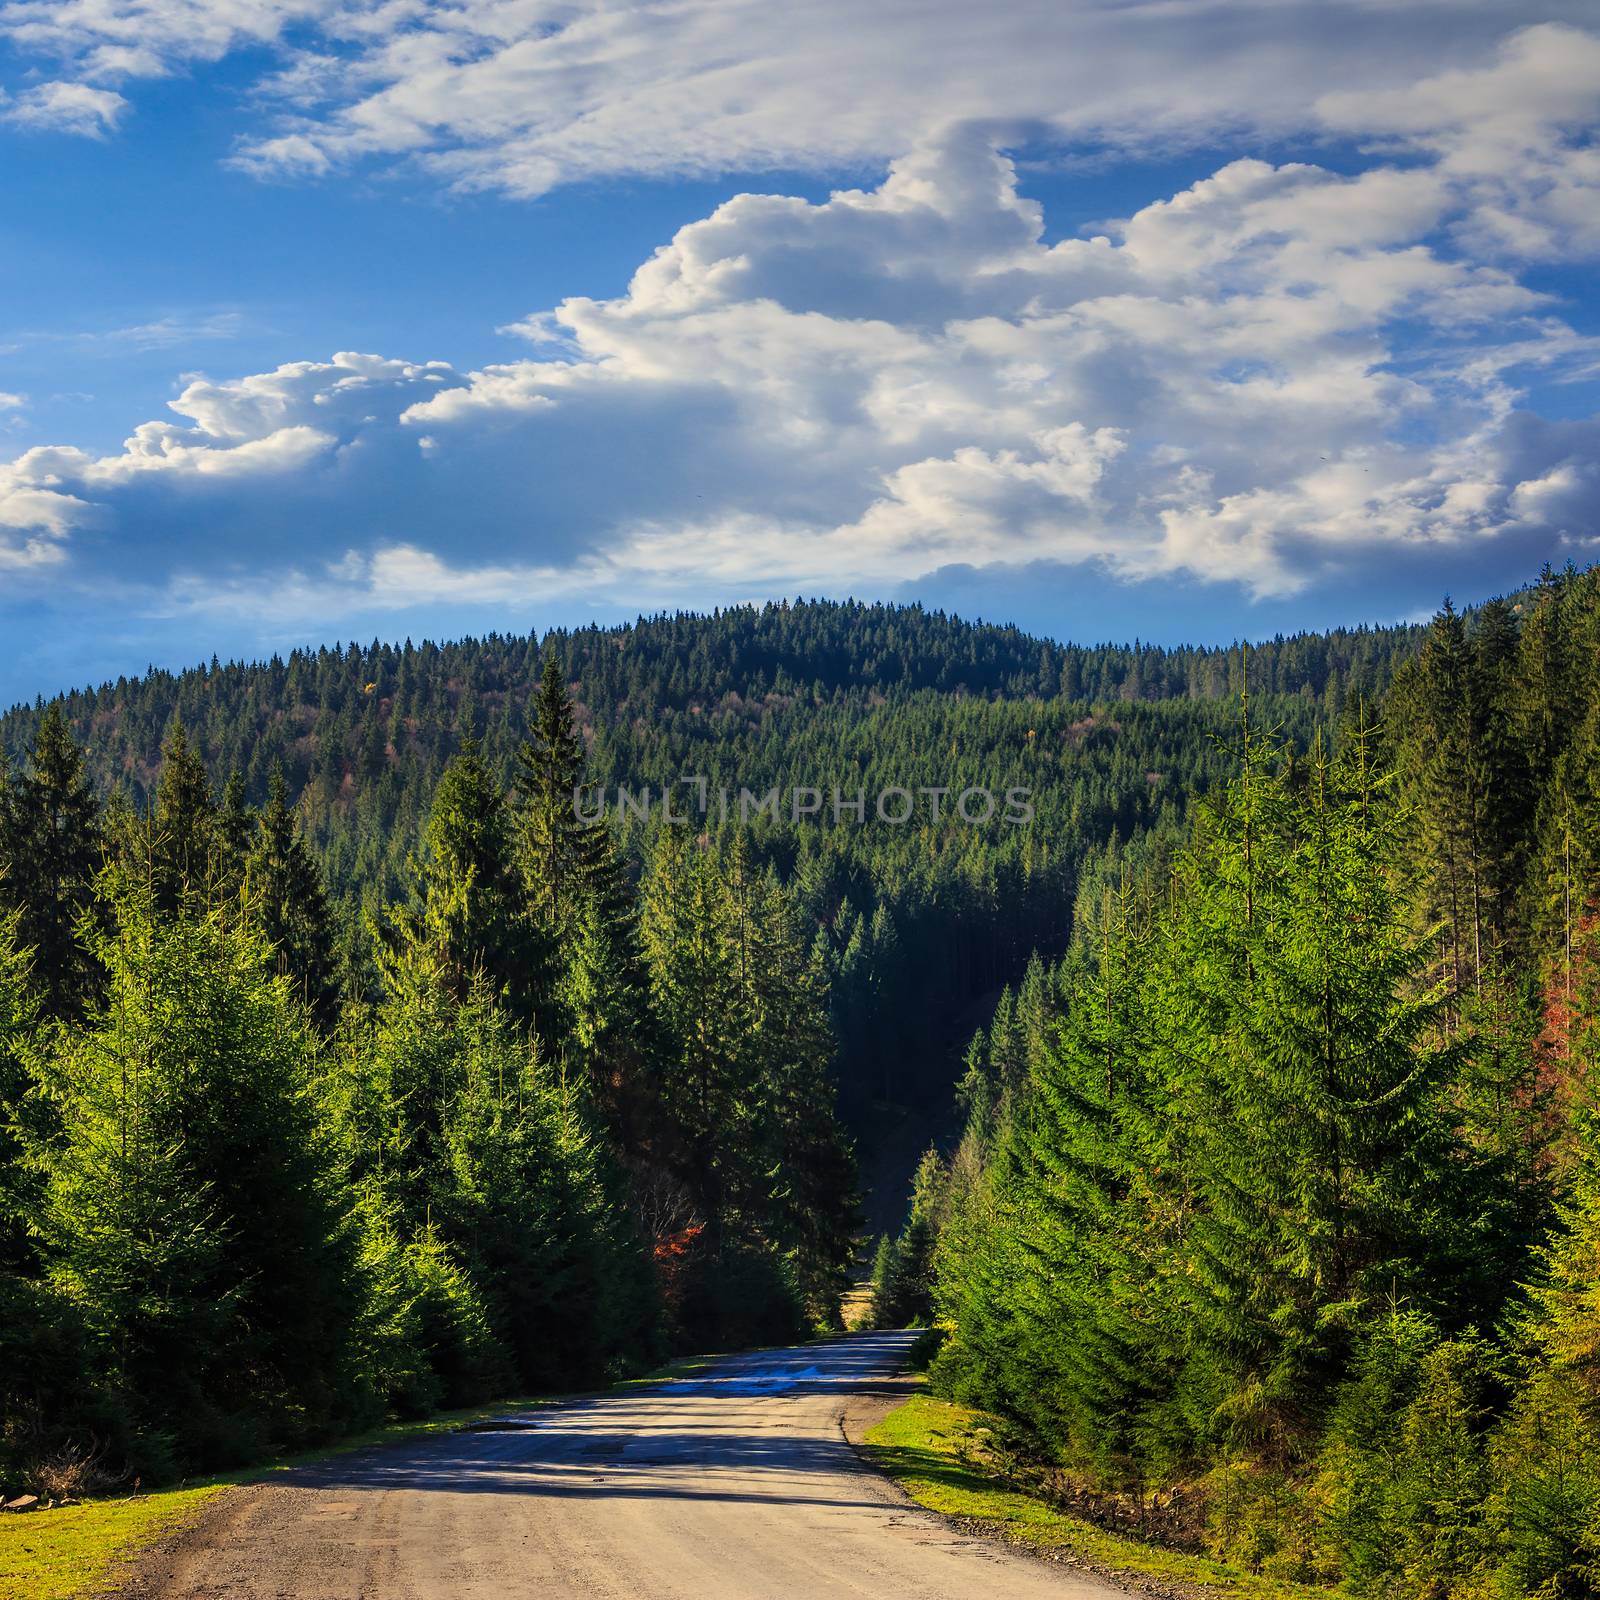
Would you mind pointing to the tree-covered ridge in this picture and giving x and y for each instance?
(1275, 1205)
(321, 712)
(1109, 740)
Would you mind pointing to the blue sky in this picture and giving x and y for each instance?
(330, 318)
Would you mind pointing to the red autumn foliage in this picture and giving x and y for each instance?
(1567, 1051)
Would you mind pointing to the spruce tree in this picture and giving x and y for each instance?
(1305, 1071)
(697, 999)
(808, 1189)
(1442, 765)
(467, 898)
(191, 1200)
(180, 847)
(603, 1000)
(293, 905)
(50, 852)
(18, 1018)
(484, 1160)
(235, 834)
(554, 843)
(580, 899)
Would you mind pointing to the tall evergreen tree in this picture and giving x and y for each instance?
(695, 989)
(18, 1016)
(293, 906)
(1443, 764)
(554, 842)
(236, 829)
(468, 904)
(181, 846)
(809, 1198)
(191, 1201)
(50, 851)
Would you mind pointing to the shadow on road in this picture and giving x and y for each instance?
(746, 1429)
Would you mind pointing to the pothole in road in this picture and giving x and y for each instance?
(497, 1425)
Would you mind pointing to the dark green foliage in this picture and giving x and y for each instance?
(469, 908)
(741, 1013)
(1545, 1508)
(1296, 1202)
(1110, 739)
(902, 1271)
(1405, 1473)
(51, 1392)
(18, 1017)
(450, 1335)
(555, 844)
(190, 1205)
(1260, 1146)
(50, 851)
(695, 989)
(286, 889)
(184, 853)
(54, 1394)
(736, 1293)
(1302, 1084)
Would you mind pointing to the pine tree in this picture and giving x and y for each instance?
(485, 1161)
(903, 1271)
(50, 852)
(292, 904)
(1443, 767)
(236, 829)
(18, 1018)
(554, 843)
(467, 896)
(1070, 1241)
(1305, 1078)
(180, 847)
(603, 999)
(1508, 789)
(533, 1209)
(696, 993)
(808, 1190)
(579, 896)
(191, 1203)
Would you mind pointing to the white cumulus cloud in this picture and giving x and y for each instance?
(1280, 376)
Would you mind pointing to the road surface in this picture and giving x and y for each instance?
(733, 1483)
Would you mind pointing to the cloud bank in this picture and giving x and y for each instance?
(1286, 375)
(527, 94)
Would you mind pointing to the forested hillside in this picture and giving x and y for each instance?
(1109, 740)
(1275, 1226)
(348, 1069)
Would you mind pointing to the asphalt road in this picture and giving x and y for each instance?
(735, 1483)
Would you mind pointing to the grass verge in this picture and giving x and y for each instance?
(77, 1550)
(53, 1555)
(938, 1454)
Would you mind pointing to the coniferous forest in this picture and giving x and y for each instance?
(347, 1071)
(1274, 1229)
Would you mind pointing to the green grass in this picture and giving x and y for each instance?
(937, 1452)
(76, 1550)
(53, 1555)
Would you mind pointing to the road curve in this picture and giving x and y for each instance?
(735, 1483)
